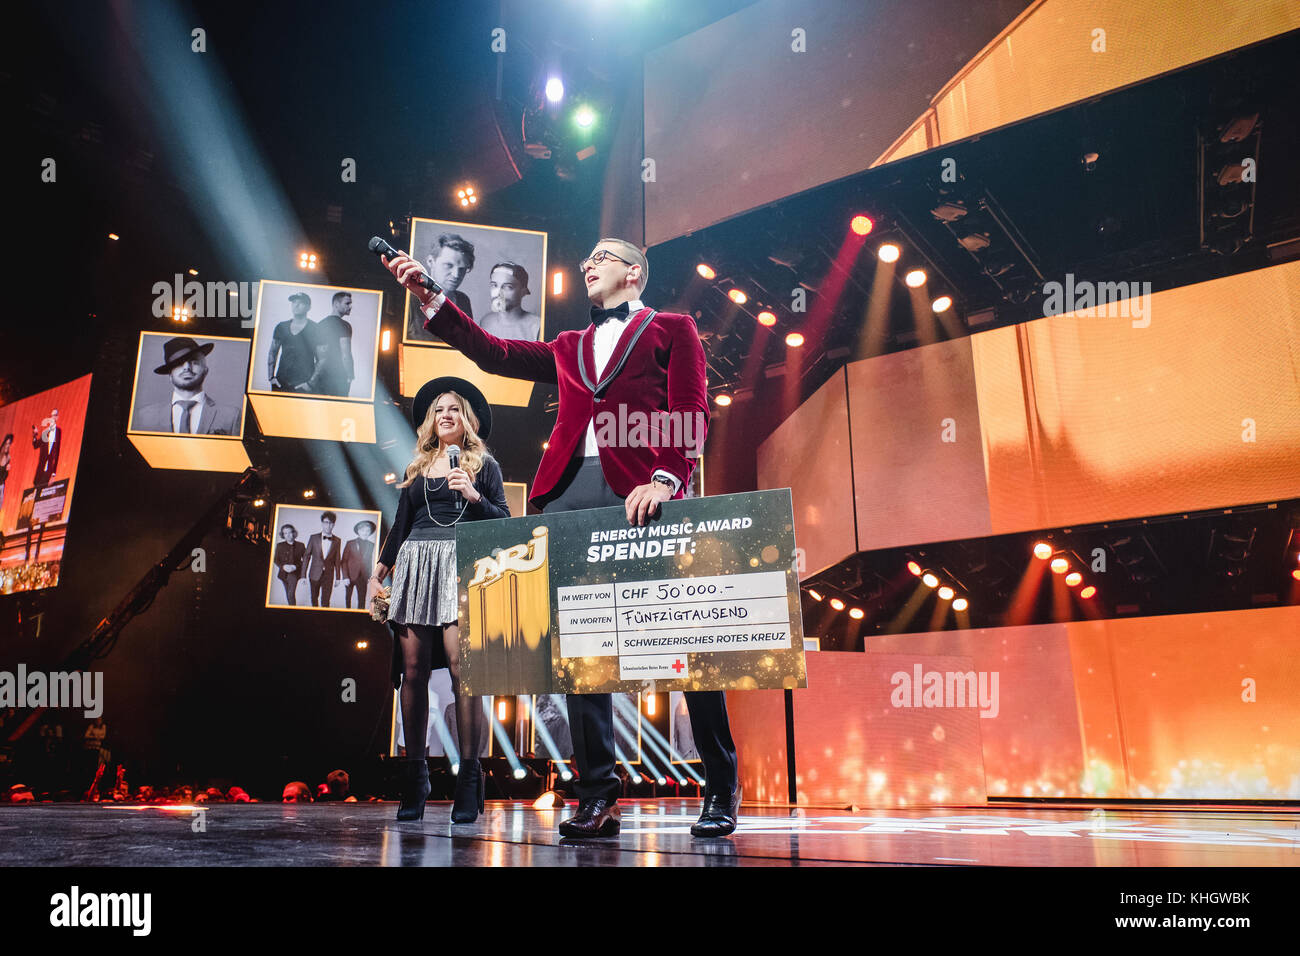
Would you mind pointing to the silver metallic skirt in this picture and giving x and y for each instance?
(424, 583)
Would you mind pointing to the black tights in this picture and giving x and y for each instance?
(417, 664)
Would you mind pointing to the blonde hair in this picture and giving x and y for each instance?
(427, 447)
(634, 255)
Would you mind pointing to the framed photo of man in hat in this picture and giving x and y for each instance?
(321, 557)
(315, 341)
(188, 386)
(496, 275)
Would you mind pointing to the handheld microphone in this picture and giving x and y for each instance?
(453, 459)
(381, 248)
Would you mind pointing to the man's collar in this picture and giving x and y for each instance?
(198, 396)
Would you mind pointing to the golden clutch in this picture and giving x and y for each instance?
(379, 605)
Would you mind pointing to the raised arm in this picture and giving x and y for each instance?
(513, 358)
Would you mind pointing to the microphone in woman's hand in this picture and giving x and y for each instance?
(453, 459)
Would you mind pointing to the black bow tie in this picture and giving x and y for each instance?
(599, 315)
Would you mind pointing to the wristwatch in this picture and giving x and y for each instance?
(661, 480)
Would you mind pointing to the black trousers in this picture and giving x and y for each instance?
(591, 716)
(321, 589)
(291, 588)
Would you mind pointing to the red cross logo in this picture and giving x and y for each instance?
(678, 666)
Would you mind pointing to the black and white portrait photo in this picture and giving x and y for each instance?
(321, 557)
(315, 341)
(495, 275)
(189, 386)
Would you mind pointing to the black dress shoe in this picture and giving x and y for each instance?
(718, 819)
(595, 818)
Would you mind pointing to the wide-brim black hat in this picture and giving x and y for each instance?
(450, 383)
(356, 528)
(177, 350)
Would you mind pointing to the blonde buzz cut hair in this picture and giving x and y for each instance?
(635, 256)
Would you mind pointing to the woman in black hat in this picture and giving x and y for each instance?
(420, 551)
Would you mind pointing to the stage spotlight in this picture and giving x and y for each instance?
(930, 580)
(180, 314)
(1074, 579)
(1060, 565)
(915, 279)
(390, 477)
(1088, 592)
(114, 236)
(946, 593)
(309, 493)
(386, 340)
(307, 260)
(362, 645)
(766, 319)
(259, 502)
(467, 196)
(194, 272)
(555, 89)
(960, 604)
(837, 604)
(723, 399)
(1042, 550)
(662, 781)
(889, 252)
(914, 568)
(941, 304)
(949, 211)
(974, 242)
(861, 224)
(550, 800)
(565, 774)
(546, 445)
(738, 297)
(815, 595)
(557, 283)
(501, 710)
(706, 271)
(585, 117)
(650, 704)
(520, 773)
(1296, 574)
(794, 340)
(856, 613)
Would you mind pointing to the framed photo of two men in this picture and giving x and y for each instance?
(321, 557)
(495, 274)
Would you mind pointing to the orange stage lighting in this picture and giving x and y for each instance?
(941, 304)
(814, 595)
(1042, 550)
(1088, 592)
(837, 604)
(915, 279)
(1074, 579)
(960, 604)
(946, 593)
(766, 318)
(889, 252)
(794, 340)
(557, 283)
(723, 399)
(856, 613)
(914, 568)
(930, 580)
(738, 297)
(1060, 565)
(706, 270)
(861, 224)
(1296, 574)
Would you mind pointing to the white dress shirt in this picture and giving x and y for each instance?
(603, 342)
(178, 412)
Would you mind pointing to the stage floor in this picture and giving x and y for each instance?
(655, 833)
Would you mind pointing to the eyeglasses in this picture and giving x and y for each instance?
(598, 257)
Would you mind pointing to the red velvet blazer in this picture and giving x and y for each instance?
(663, 371)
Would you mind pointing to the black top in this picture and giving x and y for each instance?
(297, 359)
(443, 504)
(335, 373)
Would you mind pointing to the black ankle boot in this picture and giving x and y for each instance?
(415, 789)
(468, 801)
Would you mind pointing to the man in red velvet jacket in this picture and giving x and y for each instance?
(628, 368)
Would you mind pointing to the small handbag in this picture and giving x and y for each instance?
(379, 605)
